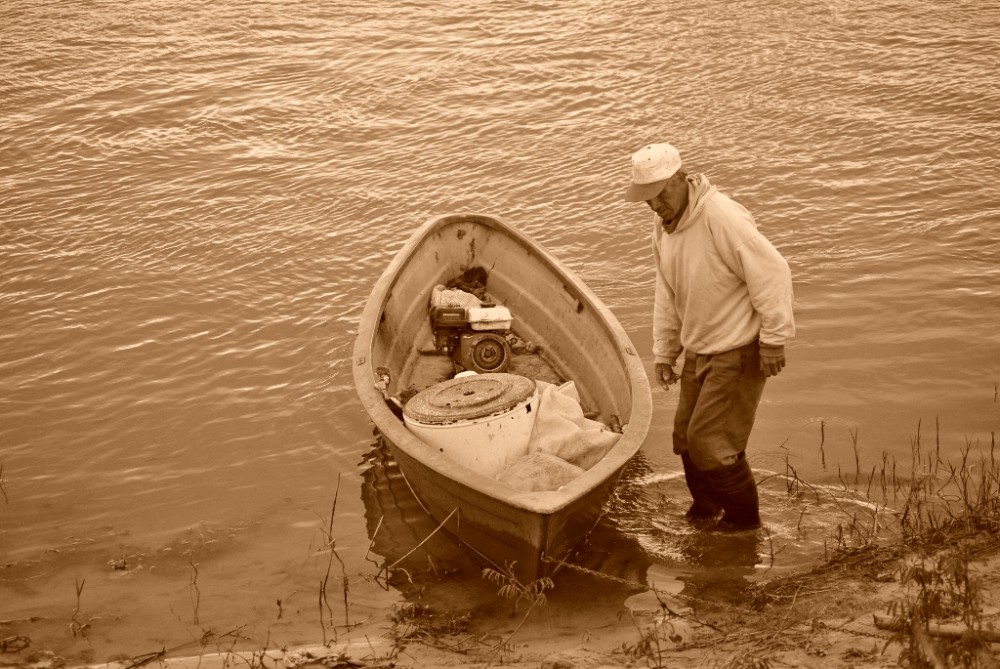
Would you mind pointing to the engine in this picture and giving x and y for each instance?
(474, 337)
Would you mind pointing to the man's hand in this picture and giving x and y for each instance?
(772, 359)
(665, 375)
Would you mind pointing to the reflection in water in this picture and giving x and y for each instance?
(643, 540)
(433, 569)
(649, 506)
(404, 535)
(192, 213)
(399, 528)
(800, 529)
(723, 564)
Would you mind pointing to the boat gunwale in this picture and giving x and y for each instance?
(395, 432)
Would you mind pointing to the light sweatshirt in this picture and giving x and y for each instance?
(720, 283)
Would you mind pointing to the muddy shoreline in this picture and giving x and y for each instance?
(823, 619)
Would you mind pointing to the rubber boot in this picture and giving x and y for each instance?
(704, 506)
(736, 491)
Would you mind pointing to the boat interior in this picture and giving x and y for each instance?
(545, 306)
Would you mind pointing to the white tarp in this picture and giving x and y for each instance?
(563, 444)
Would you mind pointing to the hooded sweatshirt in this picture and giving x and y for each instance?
(720, 284)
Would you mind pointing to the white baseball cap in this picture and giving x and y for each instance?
(652, 165)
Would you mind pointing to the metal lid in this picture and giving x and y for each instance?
(468, 398)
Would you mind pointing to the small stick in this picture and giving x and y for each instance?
(347, 589)
(857, 457)
(195, 590)
(76, 627)
(435, 531)
(788, 612)
(950, 631)
(322, 596)
(374, 534)
(822, 440)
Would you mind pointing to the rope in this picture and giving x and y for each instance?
(635, 584)
(596, 574)
(872, 635)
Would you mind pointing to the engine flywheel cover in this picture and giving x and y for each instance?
(489, 355)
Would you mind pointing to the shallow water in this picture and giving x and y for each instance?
(196, 197)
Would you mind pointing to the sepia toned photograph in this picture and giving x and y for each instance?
(571, 335)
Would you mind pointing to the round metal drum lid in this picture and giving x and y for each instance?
(469, 398)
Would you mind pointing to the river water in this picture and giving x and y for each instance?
(196, 197)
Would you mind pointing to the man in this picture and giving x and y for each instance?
(724, 296)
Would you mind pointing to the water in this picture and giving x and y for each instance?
(196, 197)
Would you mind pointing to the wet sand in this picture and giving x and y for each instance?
(824, 619)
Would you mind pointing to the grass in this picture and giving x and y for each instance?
(923, 531)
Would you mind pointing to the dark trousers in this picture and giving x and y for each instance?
(718, 403)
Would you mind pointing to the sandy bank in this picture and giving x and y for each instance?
(822, 620)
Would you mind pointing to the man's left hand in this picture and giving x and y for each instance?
(772, 359)
(665, 375)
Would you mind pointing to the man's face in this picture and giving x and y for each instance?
(669, 204)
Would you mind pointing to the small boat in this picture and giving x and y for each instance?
(547, 326)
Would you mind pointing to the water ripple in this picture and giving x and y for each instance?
(196, 198)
